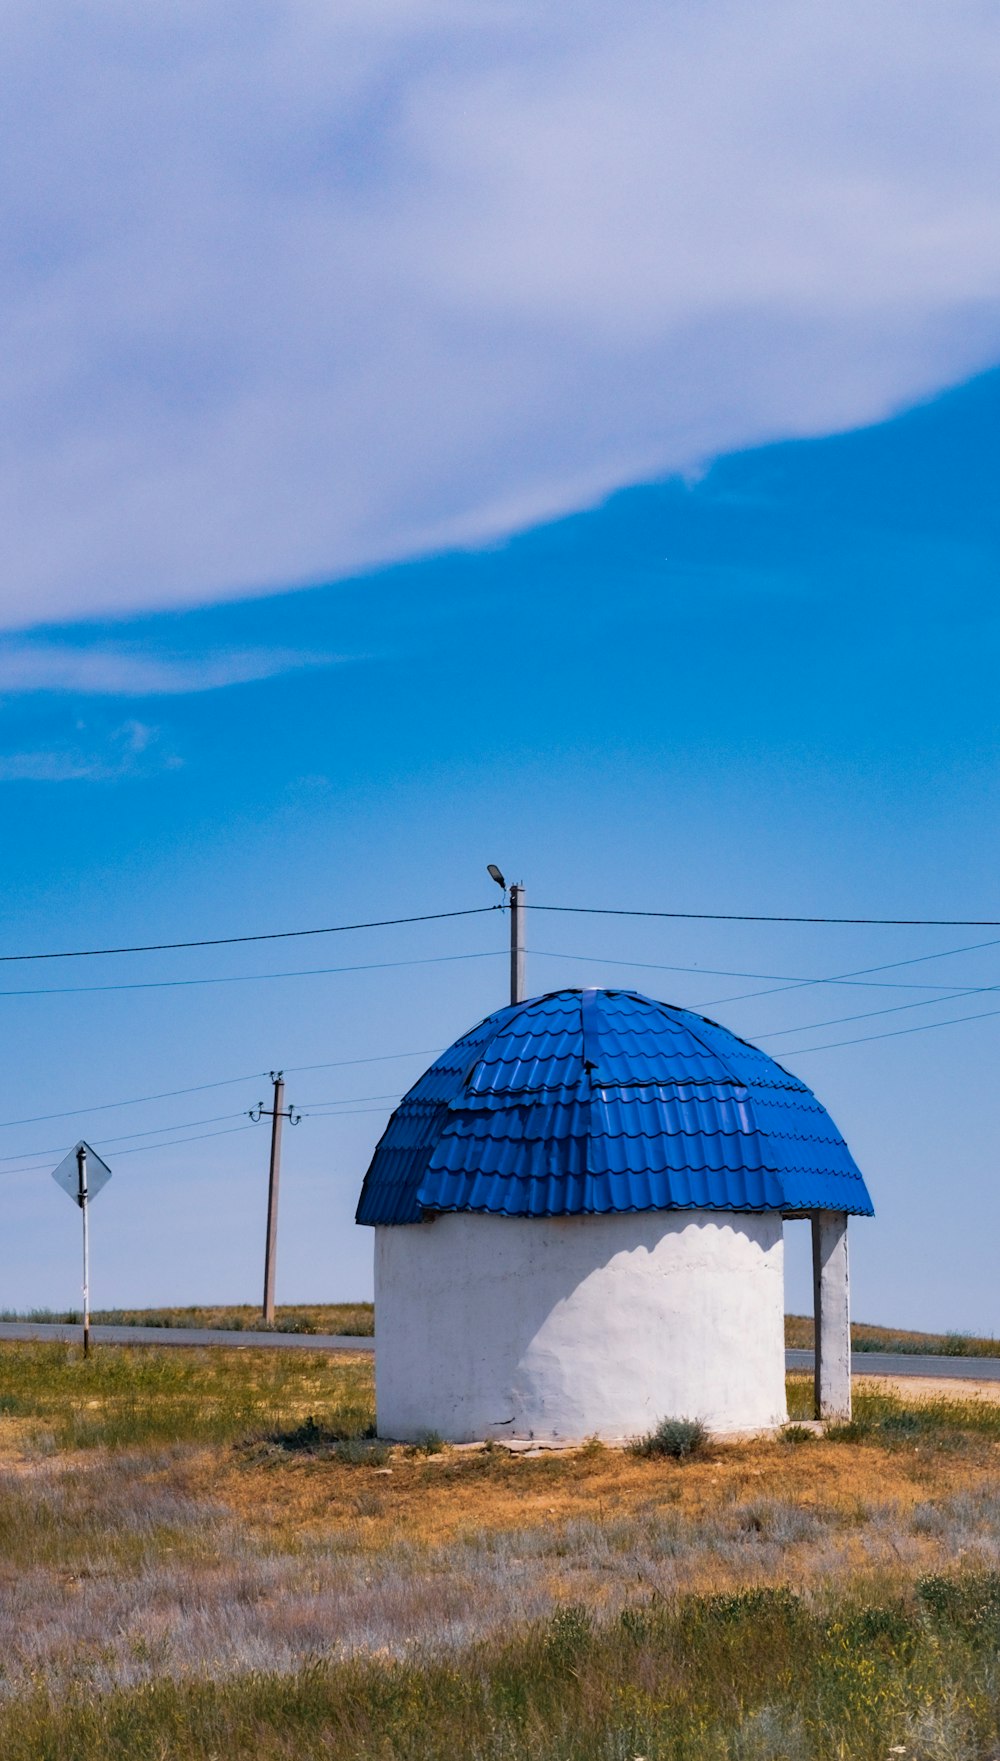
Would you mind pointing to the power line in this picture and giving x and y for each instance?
(171, 984)
(870, 1014)
(858, 972)
(477, 910)
(32, 1167)
(124, 1137)
(895, 1033)
(789, 982)
(348, 1111)
(341, 1102)
(379, 1058)
(145, 1148)
(951, 995)
(760, 917)
(167, 1094)
(170, 1094)
(347, 1101)
(274, 935)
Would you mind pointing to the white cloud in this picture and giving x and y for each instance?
(292, 289)
(27, 665)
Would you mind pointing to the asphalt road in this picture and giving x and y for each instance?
(864, 1363)
(185, 1336)
(893, 1363)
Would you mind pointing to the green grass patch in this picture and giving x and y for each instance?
(866, 1337)
(123, 1397)
(893, 1422)
(356, 1319)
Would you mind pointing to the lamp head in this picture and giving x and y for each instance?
(494, 874)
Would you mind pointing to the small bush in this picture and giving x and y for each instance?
(676, 1438)
(427, 1443)
(361, 1452)
(797, 1434)
(569, 1635)
(968, 1604)
(312, 1438)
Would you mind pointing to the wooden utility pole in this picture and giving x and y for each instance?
(518, 938)
(277, 1114)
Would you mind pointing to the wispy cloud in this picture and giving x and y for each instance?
(313, 287)
(130, 749)
(27, 665)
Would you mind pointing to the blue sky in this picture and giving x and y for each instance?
(768, 690)
(380, 507)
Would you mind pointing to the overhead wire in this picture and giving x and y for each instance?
(170, 1094)
(951, 994)
(274, 935)
(500, 905)
(316, 1110)
(860, 976)
(871, 1014)
(762, 917)
(788, 981)
(858, 973)
(144, 1148)
(894, 1033)
(124, 1137)
(171, 984)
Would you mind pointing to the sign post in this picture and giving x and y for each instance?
(82, 1174)
(81, 1164)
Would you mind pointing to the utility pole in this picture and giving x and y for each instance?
(518, 950)
(514, 899)
(277, 1114)
(82, 1196)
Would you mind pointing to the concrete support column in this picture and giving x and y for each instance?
(832, 1315)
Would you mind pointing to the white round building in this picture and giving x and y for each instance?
(578, 1217)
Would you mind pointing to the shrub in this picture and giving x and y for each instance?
(569, 1635)
(677, 1438)
(427, 1443)
(312, 1438)
(797, 1434)
(968, 1603)
(362, 1452)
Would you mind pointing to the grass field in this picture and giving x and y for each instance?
(356, 1318)
(865, 1337)
(206, 1554)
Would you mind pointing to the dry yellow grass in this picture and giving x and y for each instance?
(925, 1388)
(434, 1500)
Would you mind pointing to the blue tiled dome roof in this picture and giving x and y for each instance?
(595, 1101)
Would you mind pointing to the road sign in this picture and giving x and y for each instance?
(82, 1174)
(67, 1175)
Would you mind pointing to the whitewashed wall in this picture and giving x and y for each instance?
(576, 1326)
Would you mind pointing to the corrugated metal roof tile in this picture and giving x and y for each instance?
(600, 1101)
